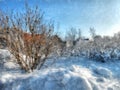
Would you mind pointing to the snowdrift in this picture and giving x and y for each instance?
(73, 73)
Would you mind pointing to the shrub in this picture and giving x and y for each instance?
(28, 38)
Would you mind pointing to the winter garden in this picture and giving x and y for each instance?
(34, 57)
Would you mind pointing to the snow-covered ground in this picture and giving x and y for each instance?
(63, 73)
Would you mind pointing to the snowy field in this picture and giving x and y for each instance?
(63, 73)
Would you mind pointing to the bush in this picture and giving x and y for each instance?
(28, 38)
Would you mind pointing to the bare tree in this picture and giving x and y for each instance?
(92, 32)
(71, 37)
(71, 34)
(79, 33)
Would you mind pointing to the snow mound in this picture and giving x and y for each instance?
(103, 72)
(54, 80)
(73, 78)
(73, 73)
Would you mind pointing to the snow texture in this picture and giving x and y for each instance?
(73, 73)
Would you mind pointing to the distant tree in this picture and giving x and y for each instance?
(79, 33)
(92, 32)
(71, 37)
(71, 34)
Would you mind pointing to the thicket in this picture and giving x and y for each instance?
(29, 38)
(100, 48)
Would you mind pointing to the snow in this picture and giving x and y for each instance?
(64, 73)
(103, 72)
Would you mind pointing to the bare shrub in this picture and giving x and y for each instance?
(29, 39)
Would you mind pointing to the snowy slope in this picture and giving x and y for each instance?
(73, 73)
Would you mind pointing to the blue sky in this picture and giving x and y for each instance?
(103, 15)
